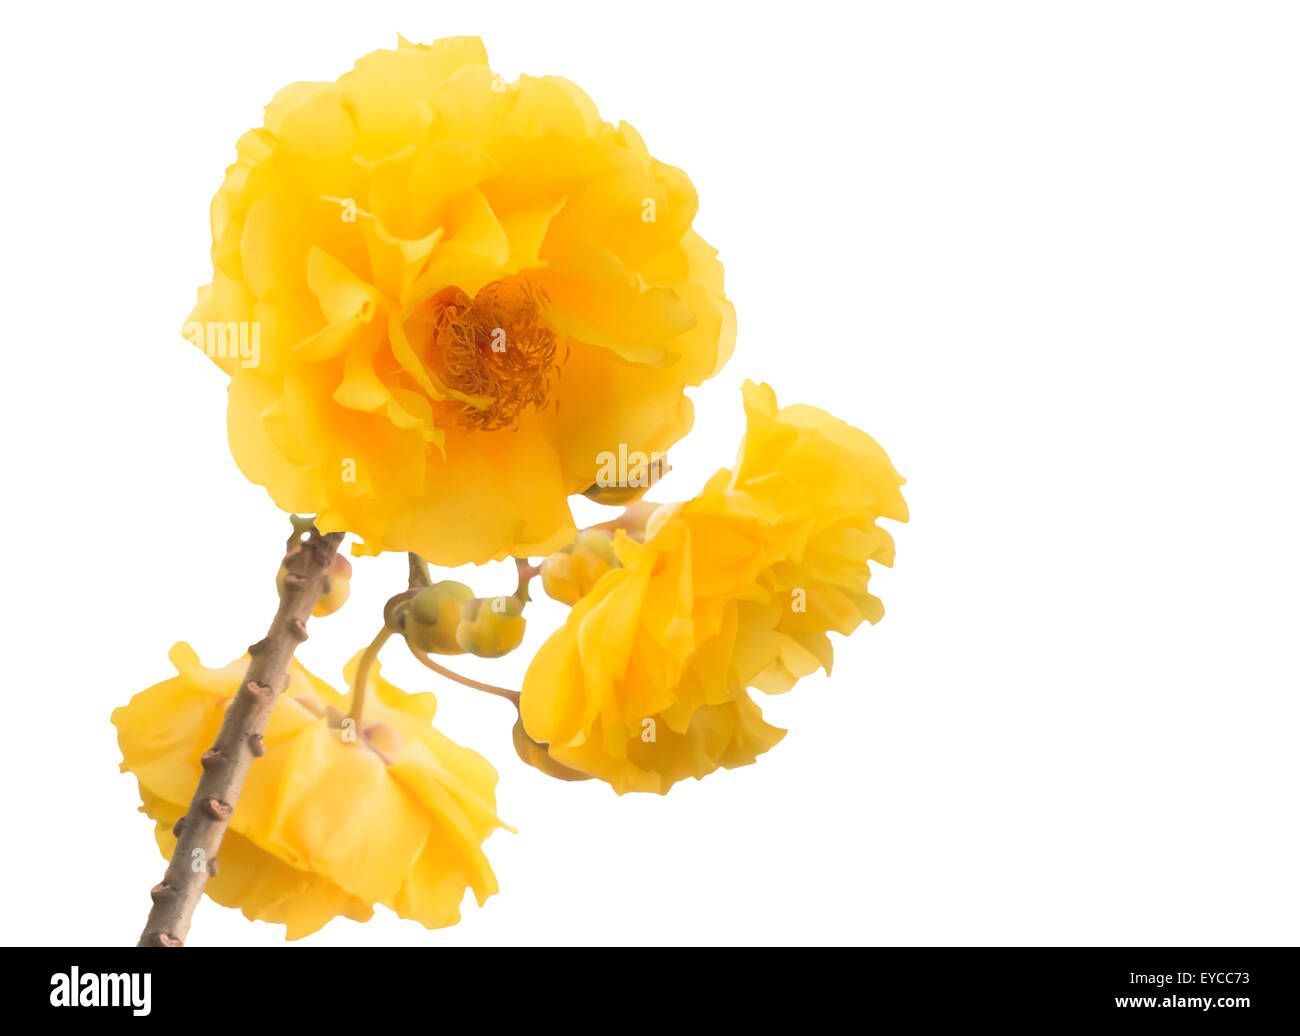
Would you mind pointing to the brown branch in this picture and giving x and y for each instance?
(225, 764)
(500, 692)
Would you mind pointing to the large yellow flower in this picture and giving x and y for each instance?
(328, 823)
(647, 682)
(441, 298)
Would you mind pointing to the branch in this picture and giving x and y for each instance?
(225, 764)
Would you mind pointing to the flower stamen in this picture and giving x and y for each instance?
(496, 346)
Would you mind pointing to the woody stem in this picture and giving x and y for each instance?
(239, 742)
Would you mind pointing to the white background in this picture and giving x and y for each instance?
(1046, 253)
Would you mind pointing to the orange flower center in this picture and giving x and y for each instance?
(495, 345)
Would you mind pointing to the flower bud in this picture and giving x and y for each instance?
(636, 474)
(570, 574)
(562, 577)
(598, 545)
(491, 626)
(432, 615)
(615, 496)
(338, 585)
(338, 579)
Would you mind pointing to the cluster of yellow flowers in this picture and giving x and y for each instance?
(466, 295)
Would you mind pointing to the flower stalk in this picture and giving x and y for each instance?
(527, 571)
(199, 832)
(359, 678)
(419, 571)
(478, 685)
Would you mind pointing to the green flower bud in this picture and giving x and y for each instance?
(615, 496)
(432, 615)
(491, 626)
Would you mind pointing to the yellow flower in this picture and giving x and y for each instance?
(647, 682)
(442, 297)
(820, 485)
(395, 814)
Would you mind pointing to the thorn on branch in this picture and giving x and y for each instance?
(259, 692)
(240, 736)
(217, 809)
